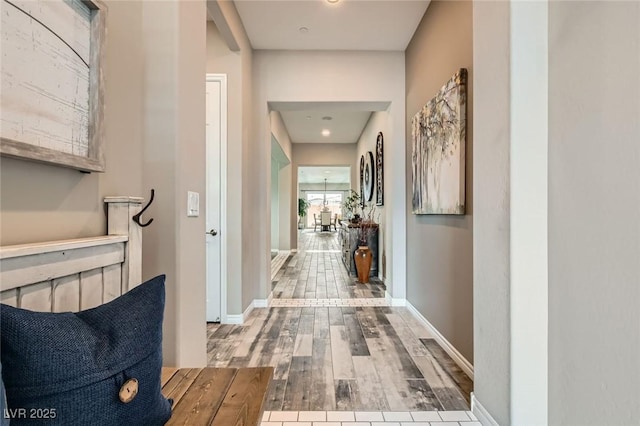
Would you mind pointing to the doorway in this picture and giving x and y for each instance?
(216, 142)
(324, 188)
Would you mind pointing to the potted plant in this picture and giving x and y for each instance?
(350, 206)
(303, 207)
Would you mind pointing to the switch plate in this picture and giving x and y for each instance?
(193, 204)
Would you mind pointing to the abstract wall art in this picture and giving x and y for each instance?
(52, 82)
(438, 158)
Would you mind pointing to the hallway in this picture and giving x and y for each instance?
(337, 345)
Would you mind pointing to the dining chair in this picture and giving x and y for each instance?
(334, 223)
(325, 220)
(316, 222)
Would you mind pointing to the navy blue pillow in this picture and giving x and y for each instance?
(4, 415)
(73, 368)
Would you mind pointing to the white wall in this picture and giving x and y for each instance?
(594, 207)
(308, 76)
(378, 122)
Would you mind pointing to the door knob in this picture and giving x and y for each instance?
(213, 232)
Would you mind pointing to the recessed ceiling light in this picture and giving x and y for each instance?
(326, 132)
(327, 171)
(303, 30)
(327, 118)
(333, 1)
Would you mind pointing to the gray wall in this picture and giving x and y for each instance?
(174, 52)
(154, 117)
(594, 211)
(491, 186)
(440, 248)
(42, 202)
(221, 60)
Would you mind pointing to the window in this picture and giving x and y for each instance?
(316, 201)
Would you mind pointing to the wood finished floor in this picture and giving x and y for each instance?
(339, 358)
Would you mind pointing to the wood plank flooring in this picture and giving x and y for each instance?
(350, 358)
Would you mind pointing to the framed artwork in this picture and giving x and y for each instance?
(362, 181)
(438, 158)
(369, 176)
(379, 173)
(52, 82)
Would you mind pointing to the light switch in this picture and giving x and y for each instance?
(193, 204)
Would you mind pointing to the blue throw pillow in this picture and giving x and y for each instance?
(4, 414)
(96, 367)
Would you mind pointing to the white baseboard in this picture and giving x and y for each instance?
(233, 319)
(457, 357)
(247, 312)
(394, 302)
(481, 413)
(261, 303)
(241, 318)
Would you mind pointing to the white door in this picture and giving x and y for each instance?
(214, 226)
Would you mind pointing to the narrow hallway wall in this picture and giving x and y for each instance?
(439, 247)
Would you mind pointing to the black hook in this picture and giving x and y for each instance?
(136, 218)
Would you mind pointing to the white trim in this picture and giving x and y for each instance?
(481, 413)
(233, 319)
(222, 78)
(394, 302)
(247, 311)
(529, 212)
(457, 357)
(261, 303)
(241, 318)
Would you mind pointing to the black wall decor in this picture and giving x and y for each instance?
(379, 173)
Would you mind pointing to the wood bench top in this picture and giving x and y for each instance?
(216, 396)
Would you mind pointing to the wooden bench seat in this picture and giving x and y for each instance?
(216, 396)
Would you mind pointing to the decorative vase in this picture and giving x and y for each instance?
(363, 258)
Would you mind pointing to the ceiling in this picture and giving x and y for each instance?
(318, 174)
(348, 120)
(345, 25)
(382, 25)
(307, 126)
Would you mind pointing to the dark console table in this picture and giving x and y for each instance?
(348, 235)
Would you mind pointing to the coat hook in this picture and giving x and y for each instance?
(136, 218)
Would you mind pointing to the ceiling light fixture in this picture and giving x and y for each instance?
(326, 132)
(303, 30)
(332, 1)
(327, 118)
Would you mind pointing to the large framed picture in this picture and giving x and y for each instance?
(52, 82)
(438, 158)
